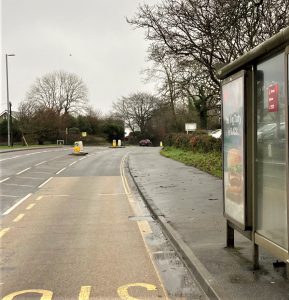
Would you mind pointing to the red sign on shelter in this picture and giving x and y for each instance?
(273, 97)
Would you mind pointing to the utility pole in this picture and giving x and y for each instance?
(11, 124)
(8, 103)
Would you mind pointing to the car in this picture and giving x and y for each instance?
(217, 134)
(271, 131)
(145, 142)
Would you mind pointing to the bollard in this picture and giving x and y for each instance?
(119, 143)
(114, 143)
(161, 144)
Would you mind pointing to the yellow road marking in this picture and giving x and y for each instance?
(141, 226)
(123, 177)
(18, 218)
(123, 290)
(84, 293)
(39, 198)
(3, 231)
(30, 206)
(46, 295)
(144, 227)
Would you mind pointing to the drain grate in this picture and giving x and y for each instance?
(141, 218)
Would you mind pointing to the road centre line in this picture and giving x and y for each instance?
(23, 171)
(16, 204)
(30, 154)
(9, 196)
(43, 162)
(73, 163)
(3, 231)
(18, 218)
(10, 158)
(30, 206)
(15, 184)
(4, 179)
(39, 198)
(41, 185)
(34, 178)
(61, 170)
(82, 158)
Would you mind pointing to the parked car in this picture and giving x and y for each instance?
(271, 131)
(145, 142)
(217, 134)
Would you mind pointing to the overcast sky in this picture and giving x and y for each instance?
(88, 37)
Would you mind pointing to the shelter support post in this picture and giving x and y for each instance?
(230, 236)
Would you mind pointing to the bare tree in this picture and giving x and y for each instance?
(60, 91)
(183, 81)
(136, 110)
(212, 32)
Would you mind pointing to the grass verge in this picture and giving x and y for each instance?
(208, 162)
(23, 147)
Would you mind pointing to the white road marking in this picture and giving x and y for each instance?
(10, 158)
(32, 154)
(9, 196)
(4, 179)
(73, 163)
(82, 158)
(41, 185)
(15, 184)
(61, 170)
(16, 204)
(35, 178)
(39, 198)
(23, 171)
(43, 162)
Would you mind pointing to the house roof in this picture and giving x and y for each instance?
(15, 114)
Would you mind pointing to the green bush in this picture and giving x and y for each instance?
(199, 141)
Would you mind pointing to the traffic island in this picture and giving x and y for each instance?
(78, 149)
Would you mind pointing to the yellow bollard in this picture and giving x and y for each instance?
(114, 143)
(161, 144)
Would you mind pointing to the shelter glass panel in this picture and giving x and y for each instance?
(271, 151)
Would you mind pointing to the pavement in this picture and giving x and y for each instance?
(194, 223)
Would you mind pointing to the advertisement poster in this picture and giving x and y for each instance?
(233, 129)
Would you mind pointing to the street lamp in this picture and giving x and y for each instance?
(8, 102)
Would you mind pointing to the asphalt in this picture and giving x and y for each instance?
(188, 205)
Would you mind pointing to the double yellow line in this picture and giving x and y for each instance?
(123, 177)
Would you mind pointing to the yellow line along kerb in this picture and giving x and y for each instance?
(123, 177)
(141, 228)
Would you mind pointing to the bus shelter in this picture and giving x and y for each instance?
(255, 102)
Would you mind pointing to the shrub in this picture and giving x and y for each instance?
(198, 141)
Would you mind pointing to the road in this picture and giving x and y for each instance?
(74, 228)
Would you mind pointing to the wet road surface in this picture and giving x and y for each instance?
(83, 233)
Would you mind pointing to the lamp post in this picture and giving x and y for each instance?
(8, 102)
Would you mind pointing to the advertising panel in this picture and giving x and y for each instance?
(233, 147)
